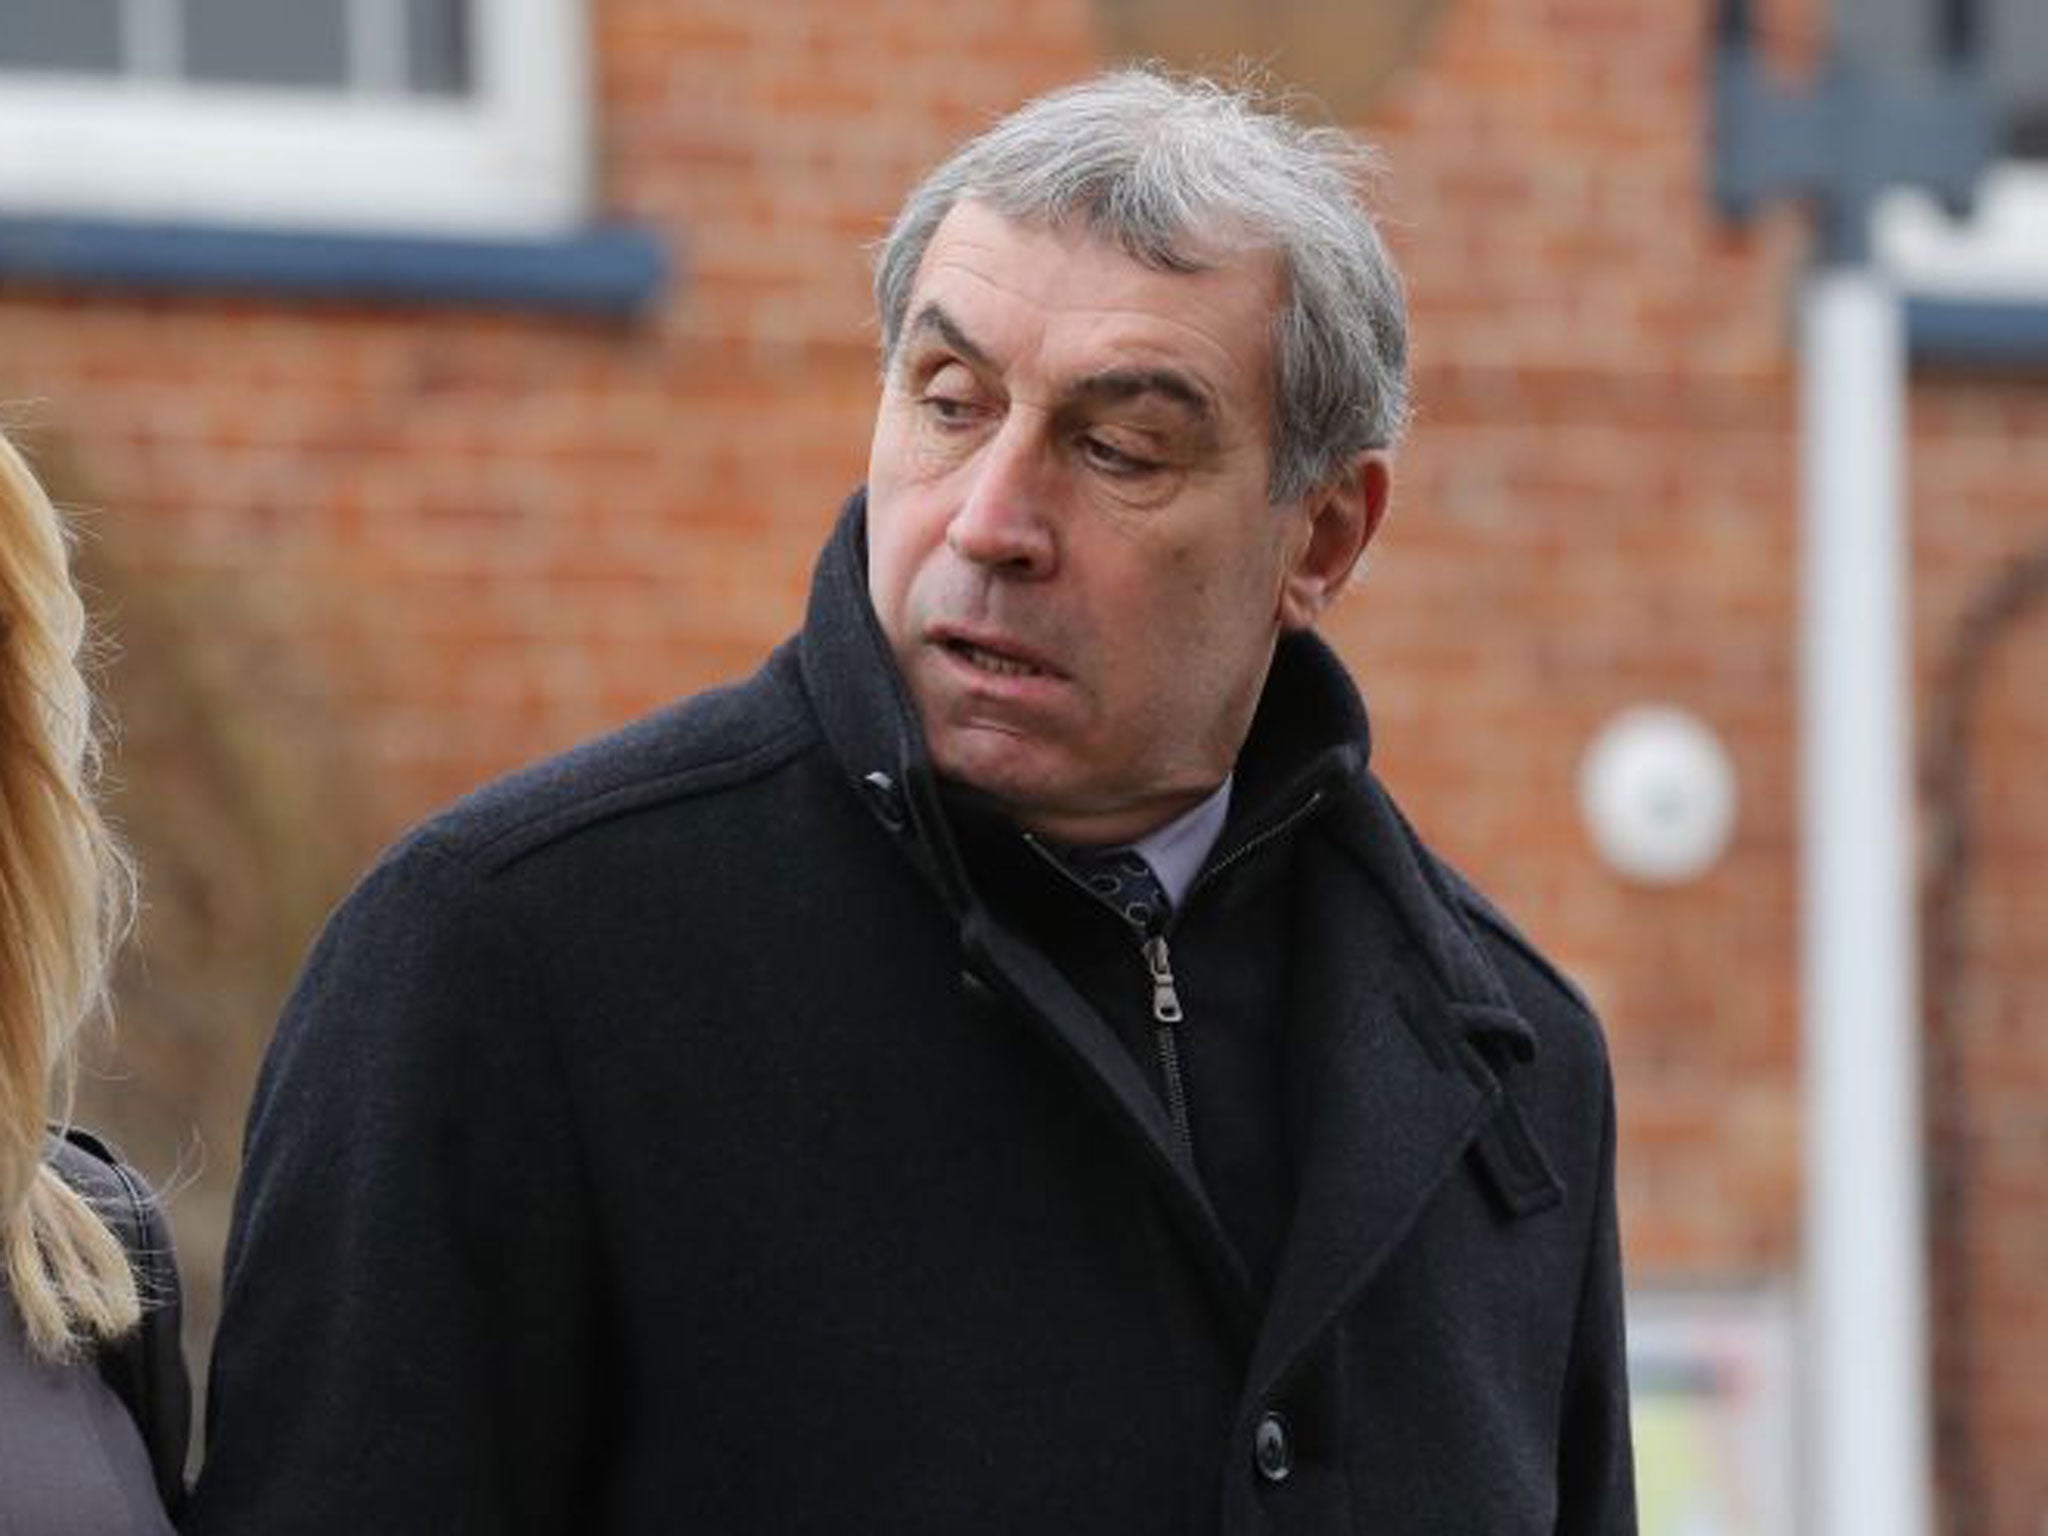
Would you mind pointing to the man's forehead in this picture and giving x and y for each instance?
(984, 270)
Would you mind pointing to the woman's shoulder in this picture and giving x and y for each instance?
(114, 1189)
(145, 1369)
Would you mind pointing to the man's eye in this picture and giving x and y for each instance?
(1112, 460)
(950, 410)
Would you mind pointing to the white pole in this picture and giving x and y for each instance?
(1864, 1327)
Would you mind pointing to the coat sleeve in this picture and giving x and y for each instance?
(405, 1342)
(1596, 1474)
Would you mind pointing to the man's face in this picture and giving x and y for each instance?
(1070, 547)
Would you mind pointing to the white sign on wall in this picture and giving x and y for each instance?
(1711, 1382)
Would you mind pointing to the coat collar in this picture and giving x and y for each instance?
(1310, 710)
(1310, 723)
(865, 710)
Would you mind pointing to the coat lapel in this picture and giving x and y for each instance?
(1386, 1097)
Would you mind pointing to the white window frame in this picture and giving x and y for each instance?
(509, 158)
(2000, 253)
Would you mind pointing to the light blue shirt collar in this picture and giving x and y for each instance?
(1177, 850)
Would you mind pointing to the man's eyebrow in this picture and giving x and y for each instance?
(933, 320)
(1115, 386)
(1112, 386)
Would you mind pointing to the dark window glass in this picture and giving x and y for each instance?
(437, 46)
(1894, 32)
(2011, 42)
(267, 42)
(61, 34)
(2018, 55)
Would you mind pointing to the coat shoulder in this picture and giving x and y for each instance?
(703, 745)
(1530, 974)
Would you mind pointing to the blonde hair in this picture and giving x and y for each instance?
(65, 894)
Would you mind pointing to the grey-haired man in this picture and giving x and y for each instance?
(1007, 1066)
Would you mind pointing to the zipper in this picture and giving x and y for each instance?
(1250, 846)
(1167, 1014)
(1166, 1017)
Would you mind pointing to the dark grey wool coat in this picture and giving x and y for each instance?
(669, 1139)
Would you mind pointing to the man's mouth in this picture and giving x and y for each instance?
(1001, 663)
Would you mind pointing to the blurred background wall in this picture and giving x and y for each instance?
(357, 548)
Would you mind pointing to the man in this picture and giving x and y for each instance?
(803, 1111)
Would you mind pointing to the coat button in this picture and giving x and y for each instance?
(887, 800)
(1272, 1449)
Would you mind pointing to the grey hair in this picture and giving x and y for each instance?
(1175, 173)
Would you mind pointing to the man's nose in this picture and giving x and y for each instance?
(1004, 520)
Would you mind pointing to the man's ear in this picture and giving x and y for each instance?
(1340, 518)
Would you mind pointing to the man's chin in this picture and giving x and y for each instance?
(1002, 765)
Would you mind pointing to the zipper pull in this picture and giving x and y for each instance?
(1165, 999)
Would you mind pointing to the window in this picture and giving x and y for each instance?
(438, 117)
(2000, 252)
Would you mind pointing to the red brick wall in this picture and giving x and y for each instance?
(1597, 511)
(480, 538)
(1980, 488)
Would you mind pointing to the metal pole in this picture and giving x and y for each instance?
(1864, 1292)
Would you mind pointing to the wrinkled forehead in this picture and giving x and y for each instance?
(1228, 292)
(1059, 314)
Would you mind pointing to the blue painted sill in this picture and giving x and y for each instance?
(612, 271)
(1978, 333)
